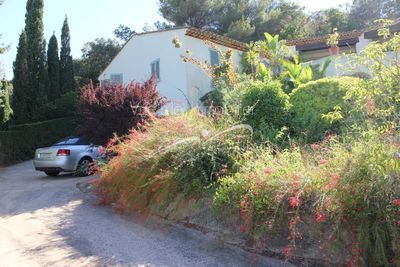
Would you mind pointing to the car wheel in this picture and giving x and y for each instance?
(84, 167)
(52, 173)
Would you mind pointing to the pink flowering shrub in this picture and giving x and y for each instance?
(347, 191)
(116, 108)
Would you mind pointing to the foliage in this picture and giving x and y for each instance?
(53, 65)
(225, 70)
(318, 70)
(379, 97)
(325, 21)
(67, 81)
(275, 51)
(241, 29)
(364, 13)
(266, 57)
(333, 39)
(170, 155)
(124, 33)
(30, 71)
(345, 191)
(296, 74)
(266, 109)
(5, 108)
(42, 92)
(116, 108)
(247, 20)
(96, 56)
(20, 141)
(244, 20)
(313, 101)
(21, 102)
(65, 105)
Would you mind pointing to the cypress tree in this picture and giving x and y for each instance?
(67, 82)
(44, 83)
(21, 82)
(34, 36)
(53, 65)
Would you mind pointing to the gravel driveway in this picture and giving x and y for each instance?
(48, 222)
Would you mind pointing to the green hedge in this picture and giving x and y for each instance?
(312, 100)
(20, 141)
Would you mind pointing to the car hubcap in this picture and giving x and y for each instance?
(85, 167)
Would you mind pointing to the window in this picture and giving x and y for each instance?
(116, 79)
(155, 68)
(214, 57)
(72, 140)
(104, 82)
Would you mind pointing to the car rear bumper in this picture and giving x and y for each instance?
(61, 165)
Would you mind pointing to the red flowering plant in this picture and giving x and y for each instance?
(165, 157)
(349, 187)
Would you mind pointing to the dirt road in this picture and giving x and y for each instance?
(48, 222)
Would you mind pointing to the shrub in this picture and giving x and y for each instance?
(347, 192)
(65, 106)
(20, 141)
(176, 154)
(319, 107)
(266, 108)
(116, 108)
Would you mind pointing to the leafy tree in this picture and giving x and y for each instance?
(163, 25)
(21, 99)
(241, 29)
(284, 18)
(124, 33)
(325, 21)
(53, 64)
(196, 13)
(96, 56)
(241, 19)
(363, 13)
(34, 39)
(67, 82)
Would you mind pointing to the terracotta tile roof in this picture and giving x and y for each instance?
(323, 38)
(216, 38)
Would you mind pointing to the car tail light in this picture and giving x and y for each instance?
(63, 152)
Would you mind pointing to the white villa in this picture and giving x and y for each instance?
(153, 53)
(183, 84)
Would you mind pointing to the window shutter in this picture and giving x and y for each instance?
(155, 69)
(158, 69)
(214, 57)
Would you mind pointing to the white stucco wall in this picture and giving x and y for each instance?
(134, 62)
(178, 80)
(198, 82)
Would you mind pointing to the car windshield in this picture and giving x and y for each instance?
(72, 141)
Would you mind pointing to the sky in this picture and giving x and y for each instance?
(91, 19)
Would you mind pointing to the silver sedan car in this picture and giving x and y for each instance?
(71, 154)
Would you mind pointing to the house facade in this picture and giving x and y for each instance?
(316, 51)
(153, 53)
